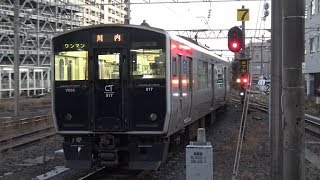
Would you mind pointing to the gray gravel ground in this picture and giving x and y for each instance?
(254, 163)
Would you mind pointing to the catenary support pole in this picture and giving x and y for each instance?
(243, 45)
(275, 117)
(16, 57)
(127, 19)
(293, 90)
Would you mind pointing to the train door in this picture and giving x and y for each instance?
(225, 83)
(110, 90)
(184, 87)
(213, 84)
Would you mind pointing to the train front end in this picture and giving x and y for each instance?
(110, 95)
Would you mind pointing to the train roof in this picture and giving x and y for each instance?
(187, 41)
(112, 25)
(191, 43)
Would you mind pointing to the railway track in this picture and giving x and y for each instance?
(312, 124)
(16, 134)
(107, 174)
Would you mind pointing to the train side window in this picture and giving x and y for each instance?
(71, 65)
(202, 74)
(220, 76)
(209, 76)
(174, 67)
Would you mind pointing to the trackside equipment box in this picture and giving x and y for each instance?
(199, 160)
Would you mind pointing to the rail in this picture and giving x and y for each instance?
(16, 134)
(312, 124)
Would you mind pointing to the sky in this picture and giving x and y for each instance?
(194, 16)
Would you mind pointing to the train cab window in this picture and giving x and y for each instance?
(148, 63)
(109, 66)
(71, 65)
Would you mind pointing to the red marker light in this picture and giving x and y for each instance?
(173, 46)
(184, 47)
(245, 80)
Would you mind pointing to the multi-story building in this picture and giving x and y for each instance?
(260, 58)
(39, 21)
(312, 40)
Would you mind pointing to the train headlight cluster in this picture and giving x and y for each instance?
(153, 117)
(68, 117)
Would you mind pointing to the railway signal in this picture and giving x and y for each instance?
(235, 39)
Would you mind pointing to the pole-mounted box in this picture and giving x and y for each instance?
(199, 160)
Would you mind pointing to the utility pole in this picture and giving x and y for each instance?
(275, 117)
(16, 57)
(243, 55)
(261, 58)
(293, 89)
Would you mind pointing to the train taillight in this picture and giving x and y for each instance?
(244, 80)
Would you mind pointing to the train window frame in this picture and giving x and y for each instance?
(312, 7)
(71, 66)
(113, 75)
(202, 74)
(209, 76)
(155, 70)
(174, 67)
(220, 85)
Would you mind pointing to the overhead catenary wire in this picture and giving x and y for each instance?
(159, 2)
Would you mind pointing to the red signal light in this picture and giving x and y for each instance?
(235, 45)
(235, 39)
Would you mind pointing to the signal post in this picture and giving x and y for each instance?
(236, 42)
(237, 37)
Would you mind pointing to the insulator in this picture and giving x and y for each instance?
(266, 13)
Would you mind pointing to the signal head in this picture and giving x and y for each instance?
(235, 39)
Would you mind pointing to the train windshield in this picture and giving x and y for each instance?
(148, 63)
(71, 65)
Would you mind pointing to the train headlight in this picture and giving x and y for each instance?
(241, 93)
(68, 117)
(153, 117)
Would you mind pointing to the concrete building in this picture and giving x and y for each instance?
(39, 21)
(312, 51)
(259, 65)
(260, 60)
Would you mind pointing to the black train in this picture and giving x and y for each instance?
(124, 95)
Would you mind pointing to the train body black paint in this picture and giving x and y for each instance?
(123, 95)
